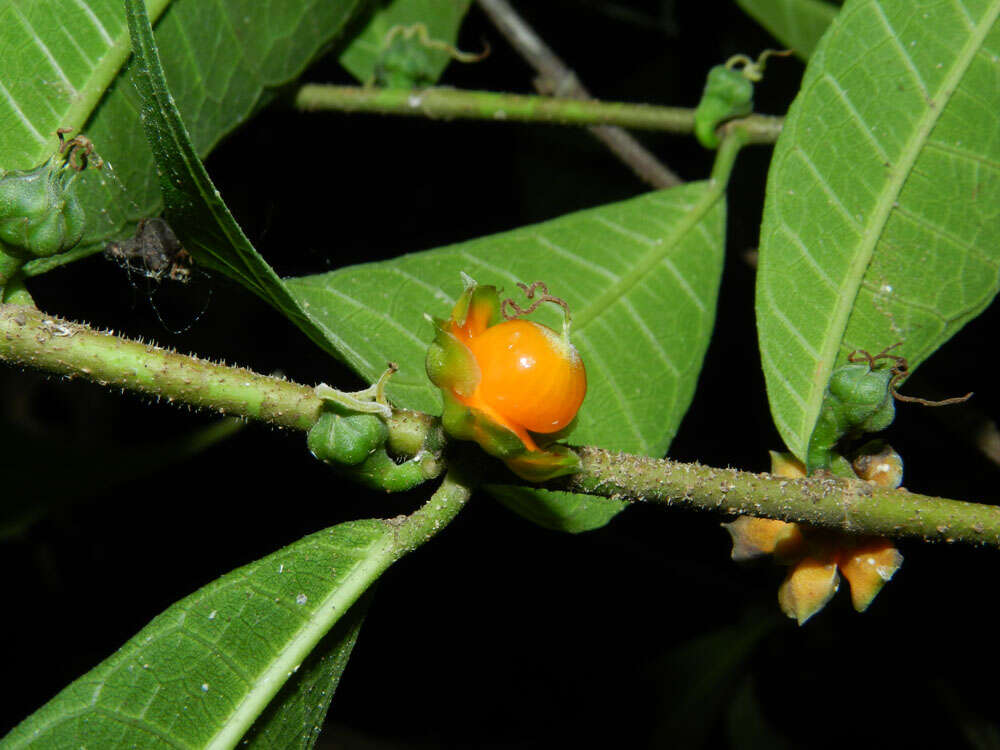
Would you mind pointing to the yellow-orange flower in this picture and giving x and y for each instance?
(817, 557)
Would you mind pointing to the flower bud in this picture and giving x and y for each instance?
(40, 214)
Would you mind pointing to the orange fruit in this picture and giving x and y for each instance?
(530, 375)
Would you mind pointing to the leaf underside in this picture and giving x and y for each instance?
(192, 205)
(202, 671)
(882, 216)
(796, 24)
(223, 59)
(293, 720)
(441, 18)
(641, 278)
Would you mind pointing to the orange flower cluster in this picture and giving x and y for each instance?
(818, 557)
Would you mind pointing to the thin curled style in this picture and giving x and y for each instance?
(529, 292)
(419, 30)
(900, 371)
(78, 150)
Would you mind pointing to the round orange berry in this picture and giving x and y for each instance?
(530, 375)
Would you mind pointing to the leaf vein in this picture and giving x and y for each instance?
(650, 337)
(865, 127)
(831, 194)
(607, 376)
(943, 233)
(581, 261)
(134, 721)
(822, 272)
(788, 324)
(436, 291)
(893, 37)
(21, 116)
(783, 381)
(643, 265)
(95, 21)
(46, 52)
(962, 154)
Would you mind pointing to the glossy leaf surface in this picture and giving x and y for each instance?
(883, 200)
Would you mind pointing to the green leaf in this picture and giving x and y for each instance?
(78, 47)
(641, 278)
(420, 65)
(881, 222)
(559, 511)
(201, 672)
(192, 205)
(86, 468)
(797, 24)
(295, 717)
(223, 59)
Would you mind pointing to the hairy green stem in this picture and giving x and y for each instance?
(425, 522)
(445, 104)
(845, 504)
(31, 338)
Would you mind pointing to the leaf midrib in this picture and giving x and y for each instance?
(883, 208)
(104, 73)
(374, 561)
(602, 302)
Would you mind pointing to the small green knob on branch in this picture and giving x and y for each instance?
(368, 440)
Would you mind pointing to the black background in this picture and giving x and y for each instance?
(499, 633)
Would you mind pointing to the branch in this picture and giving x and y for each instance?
(555, 77)
(31, 338)
(425, 522)
(849, 505)
(447, 104)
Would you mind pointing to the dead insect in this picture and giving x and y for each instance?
(156, 254)
(154, 251)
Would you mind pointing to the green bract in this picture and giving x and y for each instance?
(728, 93)
(40, 214)
(394, 453)
(404, 64)
(342, 438)
(858, 400)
